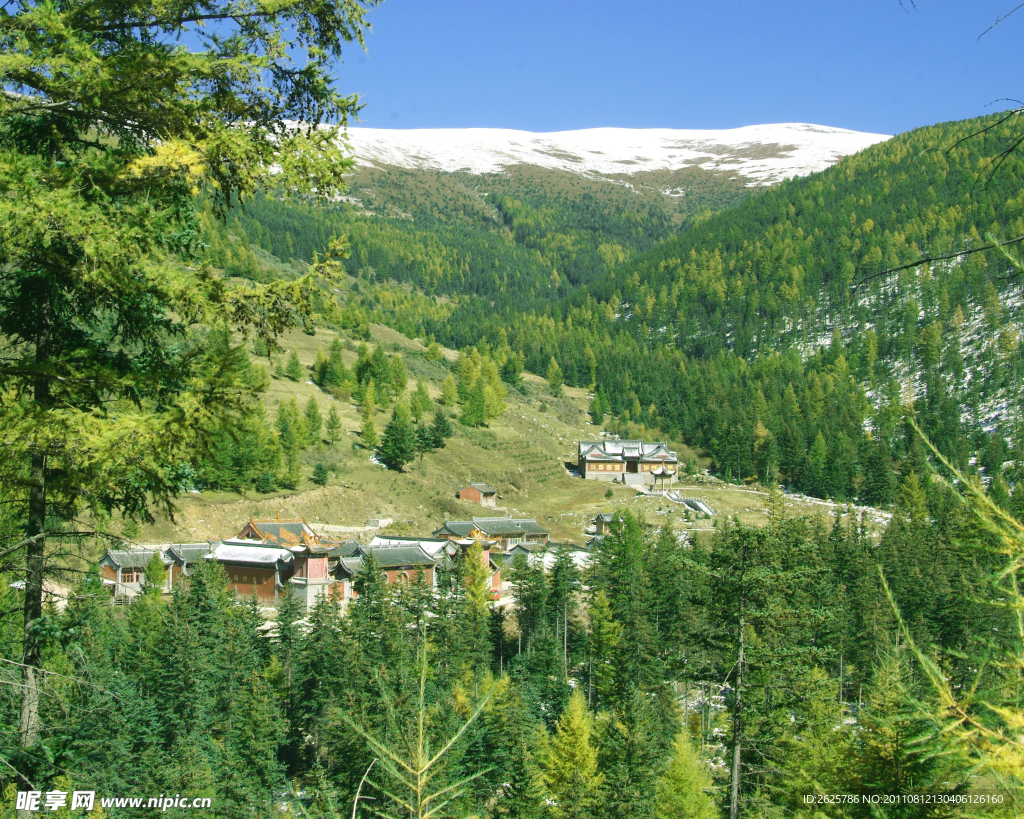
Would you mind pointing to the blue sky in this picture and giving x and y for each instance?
(869, 65)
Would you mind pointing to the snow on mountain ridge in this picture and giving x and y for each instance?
(763, 154)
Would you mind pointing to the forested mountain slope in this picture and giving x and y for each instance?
(515, 237)
(762, 333)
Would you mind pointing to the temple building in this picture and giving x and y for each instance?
(504, 532)
(636, 463)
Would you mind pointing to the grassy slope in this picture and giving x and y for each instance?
(521, 454)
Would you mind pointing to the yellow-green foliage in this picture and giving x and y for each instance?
(479, 387)
(570, 776)
(987, 718)
(684, 789)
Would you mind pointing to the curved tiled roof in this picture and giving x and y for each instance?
(188, 552)
(278, 533)
(617, 450)
(433, 546)
(131, 558)
(492, 527)
(392, 556)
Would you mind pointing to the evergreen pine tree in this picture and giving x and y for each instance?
(911, 500)
(999, 494)
(320, 474)
(291, 429)
(336, 374)
(368, 411)
(424, 438)
(399, 376)
(420, 401)
(878, 477)
(398, 446)
(816, 472)
(509, 736)
(314, 421)
(293, 369)
(320, 368)
(605, 636)
(440, 429)
(333, 425)
(895, 755)
(512, 370)
(1017, 501)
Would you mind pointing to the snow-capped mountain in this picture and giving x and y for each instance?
(762, 154)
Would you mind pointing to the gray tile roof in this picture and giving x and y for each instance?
(346, 548)
(350, 565)
(131, 558)
(188, 553)
(528, 548)
(484, 488)
(391, 557)
(492, 527)
(433, 546)
(619, 450)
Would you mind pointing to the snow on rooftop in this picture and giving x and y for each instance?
(762, 153)
(249, 554)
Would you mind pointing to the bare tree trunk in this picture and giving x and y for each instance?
(31, 658)
(737, 732)
(32, 650)
(565, 640)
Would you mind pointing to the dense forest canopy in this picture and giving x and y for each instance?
(765, 332)
(609, 690)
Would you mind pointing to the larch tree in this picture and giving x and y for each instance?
(682, 791)
(554, 377)
(474, 413)
(113, 116)
(570, 776)
(449, 391)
